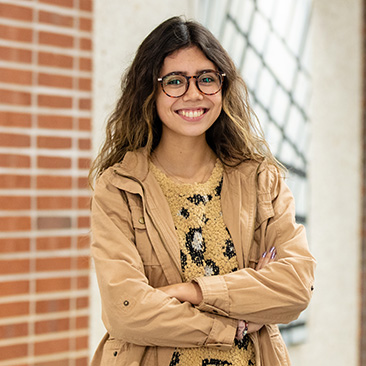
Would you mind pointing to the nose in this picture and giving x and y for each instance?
(193, 92)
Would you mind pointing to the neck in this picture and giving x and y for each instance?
(186, 161)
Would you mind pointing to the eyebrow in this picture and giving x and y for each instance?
(185, 73)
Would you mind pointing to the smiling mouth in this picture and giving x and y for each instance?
(192, 113)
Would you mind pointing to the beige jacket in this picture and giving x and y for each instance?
(136, 250)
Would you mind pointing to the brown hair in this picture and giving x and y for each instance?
(234, 137)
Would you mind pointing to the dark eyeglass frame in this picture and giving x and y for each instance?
(188, 78)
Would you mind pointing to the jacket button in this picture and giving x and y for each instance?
(141, 220)
(115, 354)
(126, 303)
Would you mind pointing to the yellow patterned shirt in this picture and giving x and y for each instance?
(206, 249)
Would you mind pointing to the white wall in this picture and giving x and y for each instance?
(119, 28)
(335, 185)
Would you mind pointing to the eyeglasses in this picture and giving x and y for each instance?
(176, 84)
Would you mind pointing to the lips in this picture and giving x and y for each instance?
(192, 113)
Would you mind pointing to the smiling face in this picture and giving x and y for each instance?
(192, 114)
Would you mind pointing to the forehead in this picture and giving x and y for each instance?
(188, 60)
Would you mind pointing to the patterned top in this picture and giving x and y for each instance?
(206, 249)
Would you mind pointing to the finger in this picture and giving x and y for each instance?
(261, 261)
(266, 258)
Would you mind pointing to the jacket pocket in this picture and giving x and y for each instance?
(142, 240)
(113, 353)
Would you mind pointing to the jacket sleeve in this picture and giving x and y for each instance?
(132, 310)
(279, 292)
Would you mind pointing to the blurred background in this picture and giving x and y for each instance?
(60, 68)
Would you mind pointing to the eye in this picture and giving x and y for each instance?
(174, 80)
(207, 78)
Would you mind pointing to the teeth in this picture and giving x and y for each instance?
(192, 114)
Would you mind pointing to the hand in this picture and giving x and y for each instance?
(252, 327)
(266, 258)
(187, 291)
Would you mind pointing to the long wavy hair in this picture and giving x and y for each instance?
(235, 136)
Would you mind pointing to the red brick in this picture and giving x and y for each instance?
(83, 361)
(50, 142)
(83, 183)
(11, 288)
(17, 34)
(63, 3)
(15, 203)
(15, 224)
(85, 64)
(84, 222)
(82, 342)
(55, 60)
(85, 84)
(53, 182)
(55, 39)
(53, 243)
(15, 97)
(14, 181)
(52, 326)
(83, 262)
(13, 351)
(82, 302)
(55, 122)
(56, 19)
(83, 282)
(85, 124)
(53, 284)
(14, 161)
(84, 163)
(16, 12)
(51, 162)
(12, 119)
(15, 54)
(54, 101)
(85, 24)
(56, 81)
(49, 347)
(53, 264)
(85, 103)
(86, 5)
(84, 144)
(14, 245)
(83, 242)
(54, 203)
(46, 223)
(62, 362)
(82, 322)
(12, 266)
(13, 76)
(84, 203)
(13, 330)
(52, 306)
(14, 140)
(86, 44)
(14, 309)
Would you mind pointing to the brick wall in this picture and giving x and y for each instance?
(45, 138)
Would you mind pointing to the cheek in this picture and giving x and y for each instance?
(163, 104)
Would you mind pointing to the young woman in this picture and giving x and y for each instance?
(196, 249)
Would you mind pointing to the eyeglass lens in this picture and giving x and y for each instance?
(177, 85)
